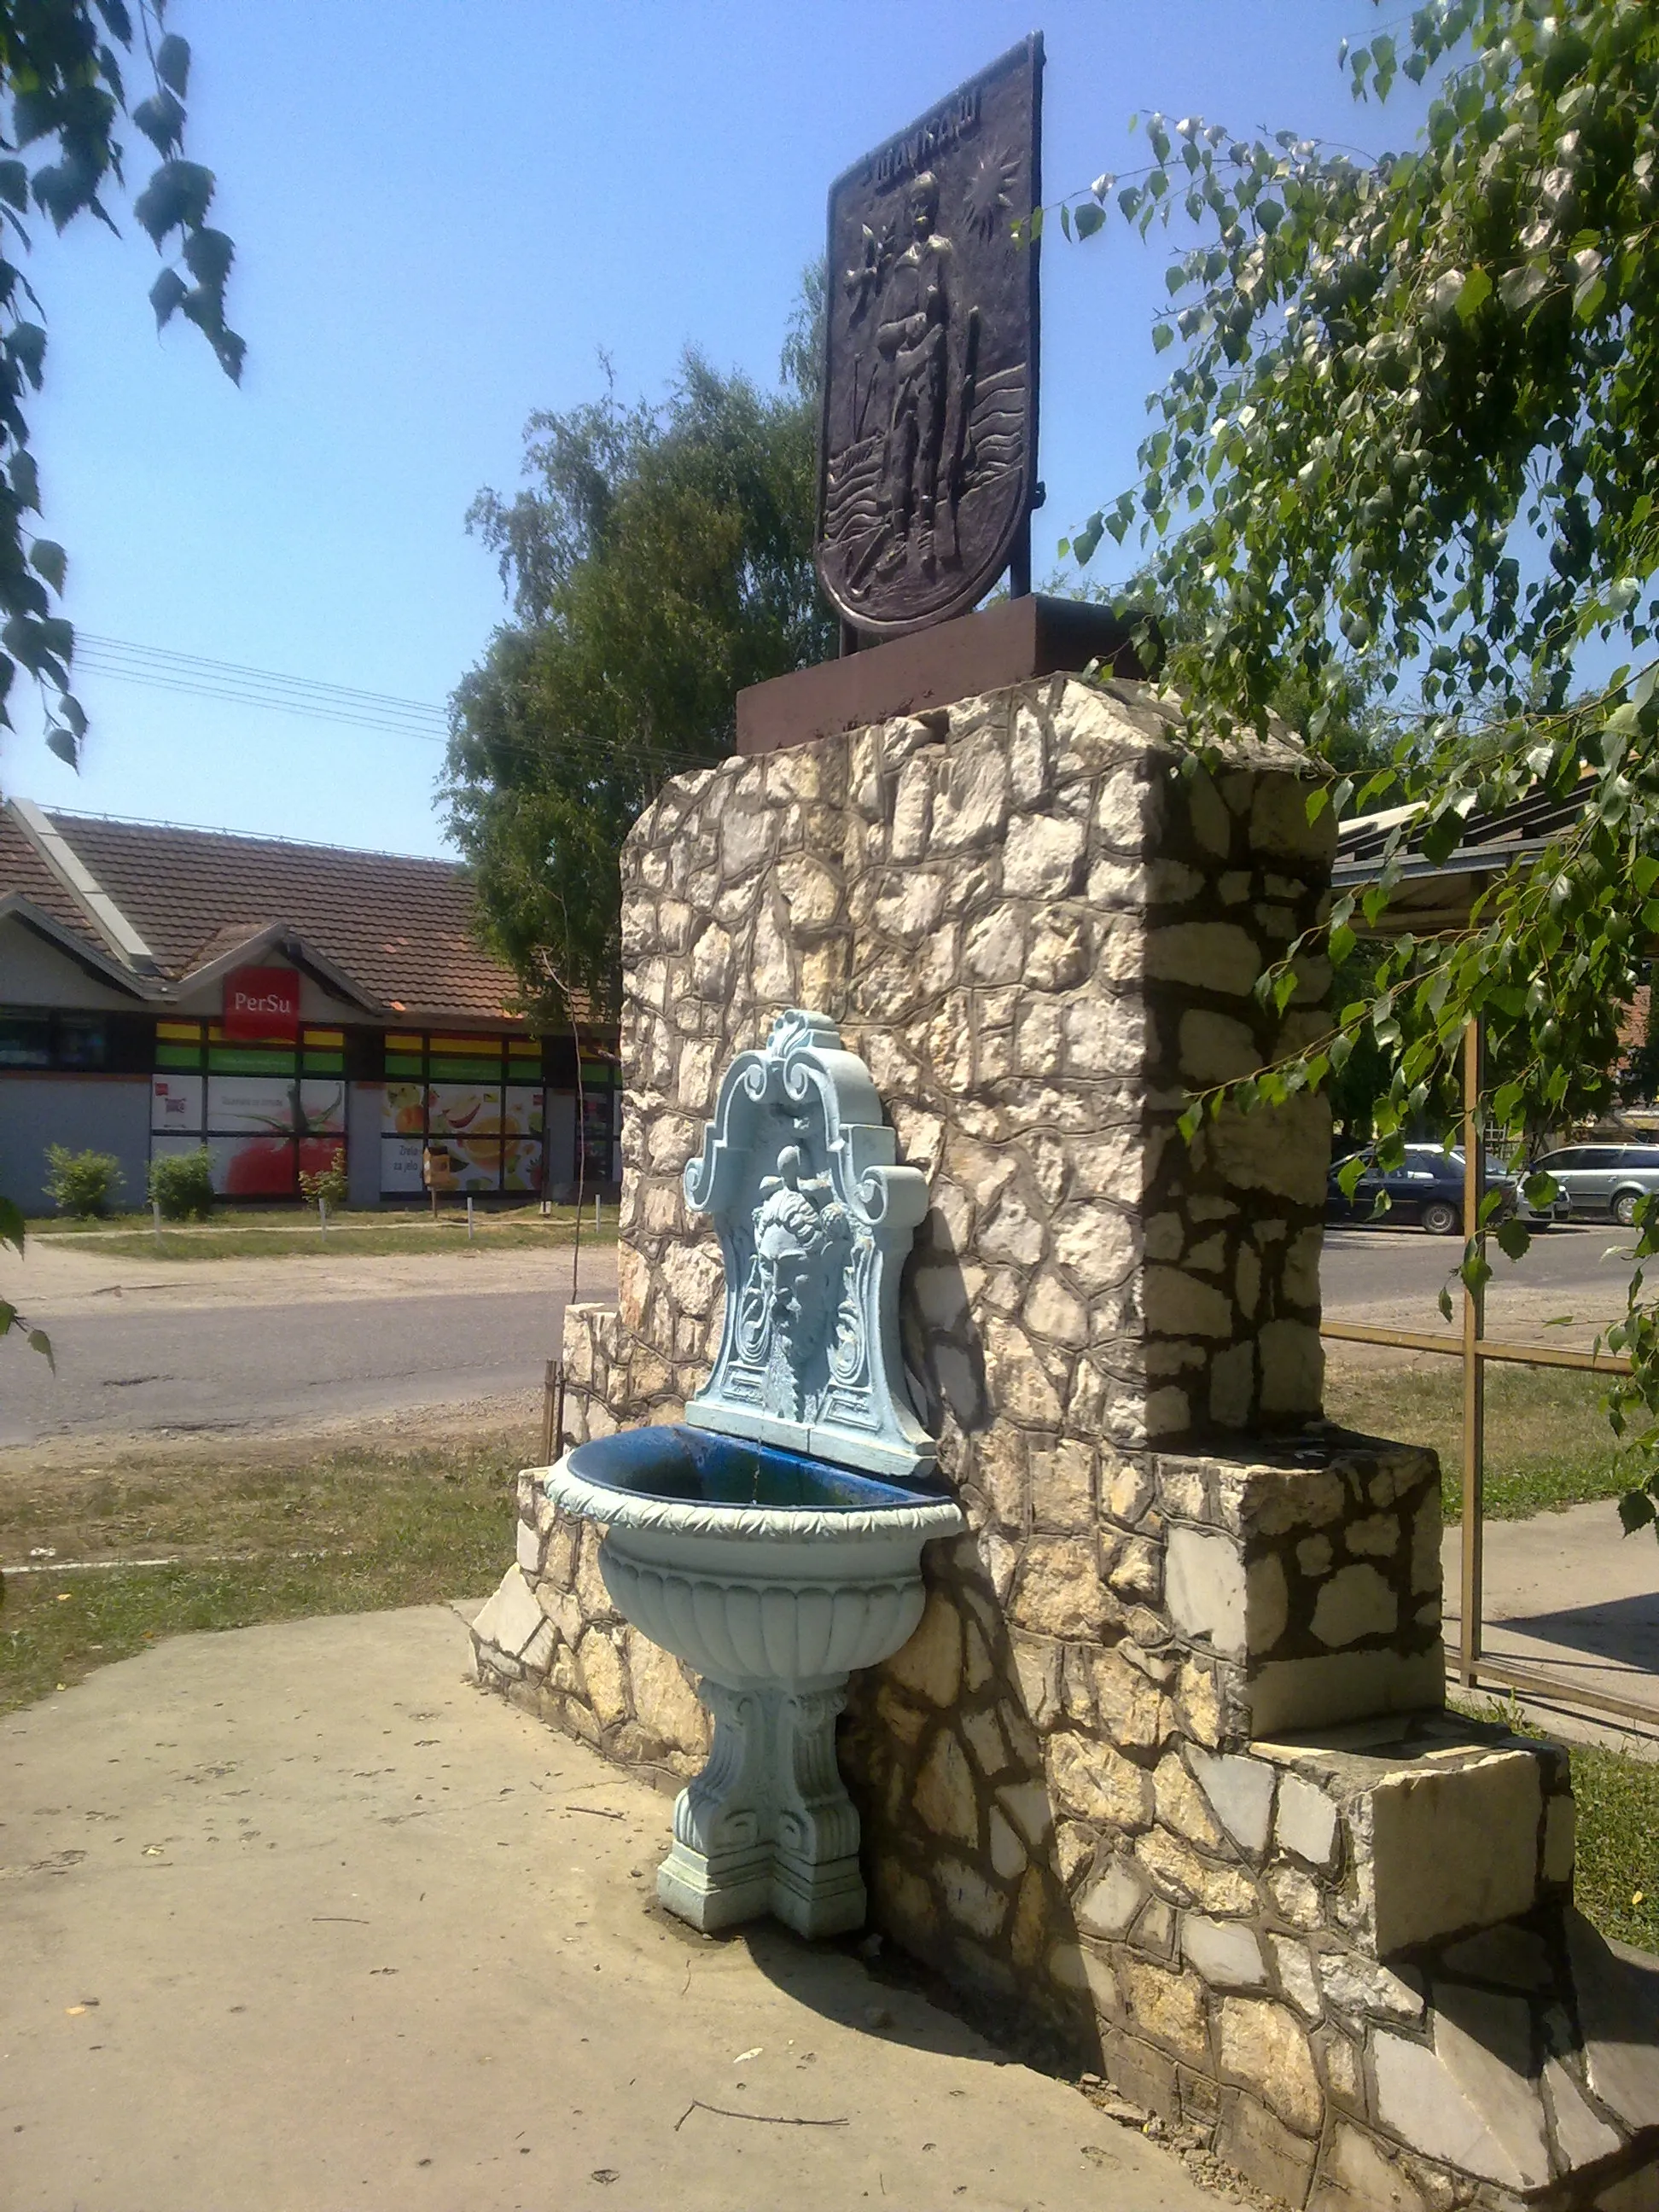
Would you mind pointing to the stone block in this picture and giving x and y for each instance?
(1308, 1823)
(1167, 2008)
(1204, 1588)
(511, 1620)
(1618, 1996)
(931, 1662)
(1355, 1602)
(1107, 1907)
(1465, 2099)
(1359, 2176)
(604, 1676)
(944, 1794)
(1241, 1790)
(1093, 1781)
(1256, 2144)
(1227, 1952)
(1443, 1851)
(1263, 2046)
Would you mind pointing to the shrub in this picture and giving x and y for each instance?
(181, 1184)
(81, 1183)
(327, 1185)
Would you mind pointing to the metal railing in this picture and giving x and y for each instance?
(1475, 1350)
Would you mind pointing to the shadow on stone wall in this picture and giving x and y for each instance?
(960, 1846)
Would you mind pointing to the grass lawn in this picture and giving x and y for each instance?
(255, 1537)
(1548, 1444)
(269, 1232)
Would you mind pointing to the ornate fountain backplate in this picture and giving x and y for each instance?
(815, 1220)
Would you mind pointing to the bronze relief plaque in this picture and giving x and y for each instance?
(927, 453)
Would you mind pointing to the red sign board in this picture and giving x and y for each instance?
(262, 1004)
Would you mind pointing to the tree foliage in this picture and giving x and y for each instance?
(658, 560)
(63, 66)
(1409, 428)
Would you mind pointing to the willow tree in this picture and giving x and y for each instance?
(1409, 427)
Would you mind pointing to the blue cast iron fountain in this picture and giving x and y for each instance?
(772, 1540)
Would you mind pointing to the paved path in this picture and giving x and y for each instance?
(249, 1344)
(296, 1918)
(1571, 1592)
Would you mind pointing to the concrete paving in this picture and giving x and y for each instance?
(1537, 1609)
(295, 1917)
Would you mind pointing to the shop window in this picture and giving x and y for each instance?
(24, 1040)
(465, 1111)
(41, 1039)
(266, 1112)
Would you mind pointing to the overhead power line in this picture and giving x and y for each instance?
(165, 671)
(158, 668)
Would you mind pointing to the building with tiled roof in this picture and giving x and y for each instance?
(163, 987)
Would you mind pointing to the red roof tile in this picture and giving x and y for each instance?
(400, 927)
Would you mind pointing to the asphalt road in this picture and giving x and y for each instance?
(238, 1345)
(1391, 1277)
(218, 1346)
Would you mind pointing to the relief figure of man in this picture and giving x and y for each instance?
(913, 338)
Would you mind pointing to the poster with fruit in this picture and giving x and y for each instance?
(253, 1167)
(402, 1113)
(322, 1107)
(523, 1167)
(523, 1116)
(400, 1167)
(463, 1167)
(265, 1103)
(467, 1110)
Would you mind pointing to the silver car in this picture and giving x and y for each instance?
(1603, 1181)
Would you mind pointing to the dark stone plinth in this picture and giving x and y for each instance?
(985, 651)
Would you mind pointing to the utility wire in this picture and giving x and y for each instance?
(157, 668)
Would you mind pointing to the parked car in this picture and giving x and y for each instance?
(1603, 1180)
(1427, 1187)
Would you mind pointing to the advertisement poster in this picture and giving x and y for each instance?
(403, 1111)
(253, 1167)
(400, 1166)
(463, 1167)
(524, 1165)
(317, 1154)
(175, 1104)
(468, 1110)
(323, 1108)
(523, 1117)
(265, 1103)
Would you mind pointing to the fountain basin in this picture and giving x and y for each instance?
(773, 1575)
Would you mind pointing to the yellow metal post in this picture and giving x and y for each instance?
(1474, 1376)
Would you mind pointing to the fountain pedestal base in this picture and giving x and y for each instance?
(767, 1826)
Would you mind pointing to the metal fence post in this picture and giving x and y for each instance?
(1475, 1372)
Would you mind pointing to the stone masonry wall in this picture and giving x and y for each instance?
(1039, 919)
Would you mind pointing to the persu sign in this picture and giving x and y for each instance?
(262, 1003)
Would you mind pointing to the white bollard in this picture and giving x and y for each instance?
(156, 1208)
(322, 1215)
(469, 1218)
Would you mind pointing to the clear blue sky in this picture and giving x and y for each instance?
(442, 214)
